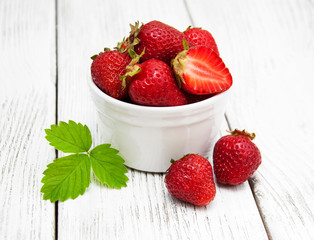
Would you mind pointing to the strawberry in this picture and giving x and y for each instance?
(200, 71)
(157, 39)
(190, 179)
(236, 158)
(201, 37)
(154, 85)
(106, 70)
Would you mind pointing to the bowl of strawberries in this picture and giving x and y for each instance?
(160, 94)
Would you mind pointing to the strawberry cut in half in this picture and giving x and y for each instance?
(199, 70)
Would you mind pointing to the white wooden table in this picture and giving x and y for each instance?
(45, 49)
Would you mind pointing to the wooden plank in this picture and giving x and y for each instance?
(143, 210)
(27, 106)
(268, 46)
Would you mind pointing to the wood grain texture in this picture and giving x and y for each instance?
(143, 210)
(269, 48)
(27, 106)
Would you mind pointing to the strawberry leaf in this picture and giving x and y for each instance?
(108, 166)
(69, 137)
(67, 177)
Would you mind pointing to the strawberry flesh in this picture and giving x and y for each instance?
(201, 71)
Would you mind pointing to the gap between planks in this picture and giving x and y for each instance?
(56, 205)
(251, 184)
(189, 13)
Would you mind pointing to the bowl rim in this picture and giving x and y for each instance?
(154, 109)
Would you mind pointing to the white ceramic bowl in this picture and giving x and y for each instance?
(149, 137)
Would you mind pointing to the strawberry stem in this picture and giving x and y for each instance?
(188, 28)
(236, 132)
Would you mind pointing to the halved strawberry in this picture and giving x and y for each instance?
(200, 71)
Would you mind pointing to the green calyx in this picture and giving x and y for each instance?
(122, 46)
(189, 27)
(178, 65)
(96, 55)
(128, 43)
(236, 132)
(179, 62)
(133, 68)
(132, 40)
(173, 161)
(131, 71)
(135, 30)
(185, 44)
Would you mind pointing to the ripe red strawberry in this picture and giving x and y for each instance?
(201, 37)
(201, 71)
(190, 179)
(106, 70)
(155, 85)
(236, 158)
(159, 40)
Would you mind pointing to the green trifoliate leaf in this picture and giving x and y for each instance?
(108, 166)
(67, 177)
(69, 137)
